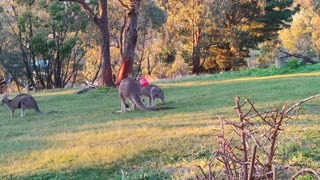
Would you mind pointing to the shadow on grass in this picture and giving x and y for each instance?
(123, 169)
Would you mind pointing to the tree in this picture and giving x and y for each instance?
(151, 29)
(187, 24)
(210, 34)
(11, 68)
(275, 16)
(1, 10)
(128, 45)
(303, 37)
(13, 30)
(48, 39)
(101, 20)
(242, 25)
(92, 65)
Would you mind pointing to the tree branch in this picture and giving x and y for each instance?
(305, 58)
(300, 102)
(86, 8)
(303, 171)
(124, 5)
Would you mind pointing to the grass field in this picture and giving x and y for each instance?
(87, 140)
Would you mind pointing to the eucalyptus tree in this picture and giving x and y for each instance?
(303, 36)
(12, 31)
(187, 25)
(47, 34)
(60, 44)
(100, 18)
(232, 38)
(10, 64)
(217, 35)
(12, 68)
(1, 10)
(209, 34)
(129, 36)
(151, 36)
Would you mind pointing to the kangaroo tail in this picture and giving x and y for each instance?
(50, 112)
(165, 108)
(45, 113)
(35, 106)
(37, 110)
(137, 101)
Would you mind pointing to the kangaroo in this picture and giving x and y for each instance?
(130, 89)
(153, 92)
(21, 101)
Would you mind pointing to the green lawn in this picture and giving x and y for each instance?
(87, 140)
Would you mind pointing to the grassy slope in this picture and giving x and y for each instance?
(86, 140)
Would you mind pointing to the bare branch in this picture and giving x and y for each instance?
(300, 102)
(305, 58)
(303, 171)
(203, 173)
(87, 9)
(251, 169)
(235, 156)
(258, 143)
(124, 5)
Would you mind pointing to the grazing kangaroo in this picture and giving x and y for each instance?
(130, 89)
(153, 92)
(21, 101)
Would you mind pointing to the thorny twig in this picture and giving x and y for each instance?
(303, 171)
(299, 103)
(235, 158)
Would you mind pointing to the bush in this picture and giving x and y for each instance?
(293, 64)
(251, 152)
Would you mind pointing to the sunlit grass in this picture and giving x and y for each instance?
(211, 82)
(88, 140)
(56, 92)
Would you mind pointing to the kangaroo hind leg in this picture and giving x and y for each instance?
(123, 103)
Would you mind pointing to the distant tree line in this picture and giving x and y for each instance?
(52, 44)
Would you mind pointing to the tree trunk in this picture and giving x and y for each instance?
(102, 23)
(57, 68)
(196, 37)
(97, 73)
(24, 53)
(131, 36)
(196, 51)
(105, 45)
(105, 55)
(125, 69)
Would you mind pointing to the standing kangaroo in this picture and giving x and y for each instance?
(153, 92)
(130, 89)
(21, 101)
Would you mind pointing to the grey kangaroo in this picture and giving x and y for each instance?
(21, 101)
(130, 89)
(153, 92)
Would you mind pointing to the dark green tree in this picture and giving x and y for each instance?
(276, 15)
(47, 34)
(242, 25)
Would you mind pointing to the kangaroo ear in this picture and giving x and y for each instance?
(138, 77)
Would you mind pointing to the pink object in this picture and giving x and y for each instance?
(144, 82)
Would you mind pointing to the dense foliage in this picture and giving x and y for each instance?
(55, 43)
